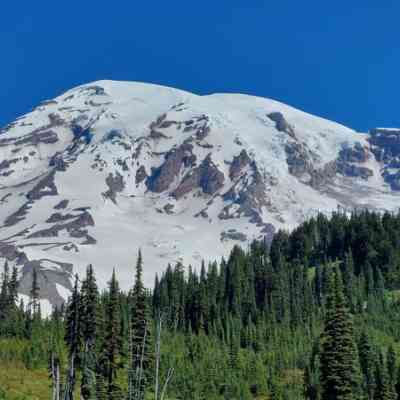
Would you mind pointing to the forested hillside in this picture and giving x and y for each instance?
(313, 315)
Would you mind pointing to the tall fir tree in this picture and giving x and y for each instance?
(367, 364)
(391, 365)
(73, 339)
(89, 323)
(382, 390)
(140, 346)
(35, 295)
(110, 361)
(338, 358)
(4, 291)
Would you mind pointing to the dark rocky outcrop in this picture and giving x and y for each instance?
(47, 279)
(115, 185)
(169, 208)
(81, 133)
(5, 164)
(10, 252)
(57, 161)
(141, 175)
(353, 171)
(160, 123)
(33, 138)
(58, 217)
(393, 179)
(94, 90)
(281, 124)
(206, 176)
(176, 159)
(233, 234)
(355, 154)
(386, 139)
(239, 162)
(45, 187)
(349, 157)
(61, 205)
(298, 159)
(75, 226)
(19, 215)
(385, 145)
(251, 197)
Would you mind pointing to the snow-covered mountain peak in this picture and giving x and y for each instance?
(110, 166)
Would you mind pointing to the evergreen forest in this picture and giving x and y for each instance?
(315, 314)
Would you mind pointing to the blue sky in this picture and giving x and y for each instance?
(337, 59)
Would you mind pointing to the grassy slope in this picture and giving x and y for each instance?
(20, 383)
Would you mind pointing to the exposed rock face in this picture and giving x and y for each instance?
(355, 154)
(281, 124)
(18, 215)
(207, 177)
(73, 224)
(175, 160)
(232, 234)
(33, 138)
(254, 197)
(45, 187)
(348, 160)
(238, 164)
(47, 279)
(115, 185)
(386, 148)
(298, 160)
(354, 170)
(141, 174)
(388, 140)
(61, 205)
(247, 197)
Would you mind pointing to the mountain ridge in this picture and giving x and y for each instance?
(108, 167)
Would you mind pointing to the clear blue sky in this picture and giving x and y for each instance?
(337, 59)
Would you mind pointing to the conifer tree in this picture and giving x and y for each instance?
(339, 377)
(367, 364)
(391, 365)
(35, 295)
(4, 292)
(101, 389)
(140, 334)
(382, 391)
(73, 339)
(111, 354)
(13, 287)
(54, 370)
(88, 318)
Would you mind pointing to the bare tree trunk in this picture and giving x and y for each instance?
(55, 376)
(167, 380)
(158, 346)
(69, 387)
(57, 381)
(130, 369)
(141, 393)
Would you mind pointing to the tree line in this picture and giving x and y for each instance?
(314, 314)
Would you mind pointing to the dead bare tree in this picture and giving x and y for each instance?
(55, 375)
(157, 395)
(135, 378)
(170, 373)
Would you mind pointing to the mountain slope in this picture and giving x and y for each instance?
(109, 167)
